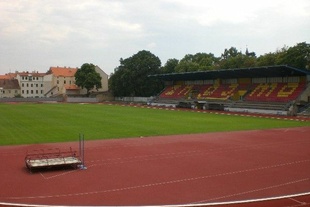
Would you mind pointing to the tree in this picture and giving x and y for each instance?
(87, 77)
(131, 77)
(231, 52)
(187, 64)
(197, 62)
(298, 56)
(170, 66)
(232, 58)
(267, 59)
(276, 58)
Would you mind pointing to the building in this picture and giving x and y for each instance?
(104, 80)
(27, 84)
(9, 88)
(59, 79)
(31, 84)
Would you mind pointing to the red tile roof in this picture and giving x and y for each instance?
(9, 84)
(36, 74)
(72, 87)
(63, 71)
(13, 75)
(5, 77)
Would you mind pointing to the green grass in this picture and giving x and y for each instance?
(44, 123)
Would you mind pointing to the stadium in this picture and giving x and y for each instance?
(257, 166)
(281, 90)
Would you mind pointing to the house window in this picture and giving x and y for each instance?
(22, 84)
(22, 91)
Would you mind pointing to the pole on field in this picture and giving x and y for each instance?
(82, 151)
(80, 146)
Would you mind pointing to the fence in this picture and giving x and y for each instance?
(134, 99)
(81, 100)
(31, 99)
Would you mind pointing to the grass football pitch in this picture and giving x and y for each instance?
(26, 123)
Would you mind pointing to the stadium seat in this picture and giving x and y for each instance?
(260, 92)
(275, 92)
(217, 91)
(176, 91)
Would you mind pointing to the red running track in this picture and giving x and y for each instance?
(170, 170)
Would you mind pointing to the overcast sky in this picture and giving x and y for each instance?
(38, 34)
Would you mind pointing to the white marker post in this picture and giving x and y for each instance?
(82, 151)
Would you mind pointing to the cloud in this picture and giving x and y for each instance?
(37, 34)
(209, 13)
(151, 45)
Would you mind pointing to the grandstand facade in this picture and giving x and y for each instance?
(273, 89)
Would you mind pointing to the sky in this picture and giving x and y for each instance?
(38, 34)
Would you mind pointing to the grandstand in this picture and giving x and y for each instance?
(272, 89)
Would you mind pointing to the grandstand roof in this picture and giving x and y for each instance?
(257, 72)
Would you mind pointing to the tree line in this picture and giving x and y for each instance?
(130, 78)
(297, 56)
